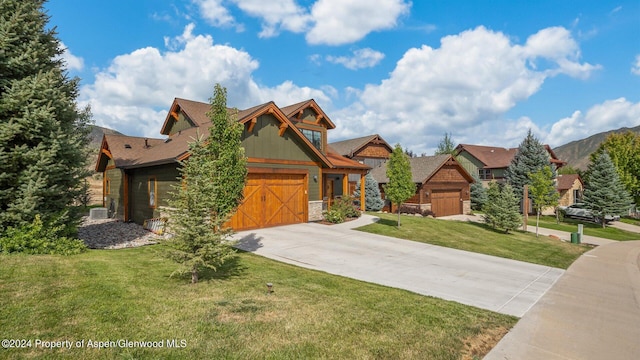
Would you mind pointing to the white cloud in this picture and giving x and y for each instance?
(276, 15)
(469, 82)
(635, 68)
(610, 115)
(134, 93)
(330, 22)
(362, 58)
(71, 61)
(215, 13)
(340, 22)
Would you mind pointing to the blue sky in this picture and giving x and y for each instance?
(483, 71)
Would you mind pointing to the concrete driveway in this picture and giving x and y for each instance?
(492, 283)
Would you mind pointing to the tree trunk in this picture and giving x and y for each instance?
(537, 221)
(398, 216)
(194, 275)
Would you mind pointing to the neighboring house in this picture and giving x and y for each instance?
(370, 150)
(570, 187)
(442, 184)
(491, 162)
(291, 168)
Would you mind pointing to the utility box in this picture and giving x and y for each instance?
(98, 213)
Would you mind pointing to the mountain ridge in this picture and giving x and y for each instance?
(576, 153)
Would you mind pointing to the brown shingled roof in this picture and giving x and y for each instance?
(494, 157)
(565, 181)
(349, 147)
(422, 168)
(139, 153)
(342, 162)
(491, 156)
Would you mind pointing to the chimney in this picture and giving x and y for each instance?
(146, 143)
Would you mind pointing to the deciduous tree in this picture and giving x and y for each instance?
(43, 134)
(543, 192)
(401, 185)
(213, 179)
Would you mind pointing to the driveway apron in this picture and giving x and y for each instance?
(502, 285)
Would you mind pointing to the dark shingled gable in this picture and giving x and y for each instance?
(422, 168)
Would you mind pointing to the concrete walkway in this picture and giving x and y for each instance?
(627, 227)
(492, 283)
(592, 312)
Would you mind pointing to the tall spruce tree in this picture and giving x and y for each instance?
(478, 193)
(624, 150)
(43, 136)
(372, 199)
(401, 185)
(604, 192)
(502, 207)
(530, 157)
(213, 179)
(446, 146)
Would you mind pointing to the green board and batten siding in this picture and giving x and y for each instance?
(114, 191)
(469, 163)
(265, 142)
(166, 176)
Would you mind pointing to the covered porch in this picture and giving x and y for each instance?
(335, 180)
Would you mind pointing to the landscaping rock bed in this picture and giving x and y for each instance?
(114, 234)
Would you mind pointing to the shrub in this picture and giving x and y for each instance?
(411, 210)
(428, 213)
(334, 216)
(341, 210)
(40, 238)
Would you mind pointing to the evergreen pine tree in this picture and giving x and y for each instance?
(530, 157)
(478, 194)
(604, 192)
(213, 179)
(401, 185)
(372, 199)
(43, 136)
(446, 146)
(502, 207)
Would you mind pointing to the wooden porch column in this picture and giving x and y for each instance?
(345, 185)
(362, 190)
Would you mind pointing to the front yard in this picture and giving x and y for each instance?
(479, 238)
(589, 228)
(112, 295)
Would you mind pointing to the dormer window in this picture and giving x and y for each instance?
(314, 136)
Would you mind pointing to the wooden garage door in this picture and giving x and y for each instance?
(446, 202)
(271, 200)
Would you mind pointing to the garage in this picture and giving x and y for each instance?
(272, 200)
(446, 202)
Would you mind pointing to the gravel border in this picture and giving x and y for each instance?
(115, 234)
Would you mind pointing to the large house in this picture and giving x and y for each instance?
(491, 162)
(370, 150)
(570, 187)
(442, 185)
(292, 170)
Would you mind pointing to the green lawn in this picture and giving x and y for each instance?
(479, 238)
(631, 221)
(108, 295)
(589, 228)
